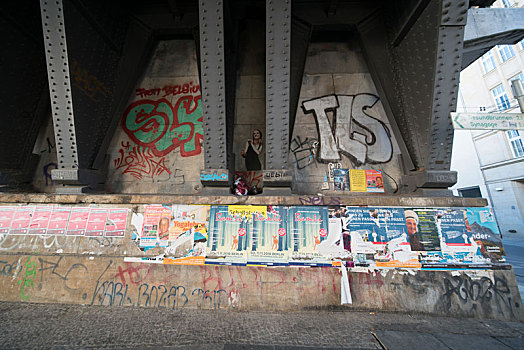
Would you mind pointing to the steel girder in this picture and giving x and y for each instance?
(212, 72)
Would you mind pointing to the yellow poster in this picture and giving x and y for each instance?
(247, 210)
(358, 180)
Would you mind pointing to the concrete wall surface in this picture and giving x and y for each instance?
(109, 281)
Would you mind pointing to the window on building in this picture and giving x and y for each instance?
(506, 52)
(515, 139)
(507, 3)
(520, 77)
(471, 192)
(488, 62)
(501, 98)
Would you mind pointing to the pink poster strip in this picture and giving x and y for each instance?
(40, 220)
(58, 220)
(6, 216)
(96, 223)
(21, 220)
(117, 219)
(77, 224)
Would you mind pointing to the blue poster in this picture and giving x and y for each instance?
(484, 229)
(270, 240)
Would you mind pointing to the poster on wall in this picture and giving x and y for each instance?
(40, 219)
(77, 224)
(230, 232)
(422, 229)
(271, 242)
(358, 180)
(6, 217)
(96, 223)
(309, 228)
(484, 229)
(374, 181)
(188, 234)
(21, 220)
(341, 179)
(155, 228)
(58, 220)
(116, 222)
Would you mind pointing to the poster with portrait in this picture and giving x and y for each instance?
(309, 228)
(155, 228)
(422, 229)
(229, 236)
(484, 229)
(374, 181)
(270, 243)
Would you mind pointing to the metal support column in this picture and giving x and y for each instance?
(278, 77)
(212, 72)
(445, 91)
(60, 91)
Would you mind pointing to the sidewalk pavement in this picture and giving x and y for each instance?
(27, 325)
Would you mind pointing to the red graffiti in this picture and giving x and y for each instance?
(157, 125)
(140, 162)
(170, 90)
(252, 178)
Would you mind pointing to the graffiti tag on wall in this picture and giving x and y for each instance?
(354, 133)
(157, 127)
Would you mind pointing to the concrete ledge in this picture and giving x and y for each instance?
(367, 200)
(109, 281)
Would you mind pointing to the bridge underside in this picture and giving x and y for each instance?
(165, 96)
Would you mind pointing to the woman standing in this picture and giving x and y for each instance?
(252, 150)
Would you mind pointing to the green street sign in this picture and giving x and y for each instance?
(487, 121)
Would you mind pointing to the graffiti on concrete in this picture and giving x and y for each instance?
(71, 244)
(140, 162)
(213, 177)
(27, 281)
(355, 133)
(169, 90)
(47, 173)
(474, 293)
(162, 128)
(304, 151)
(88, 84)
(319, 200)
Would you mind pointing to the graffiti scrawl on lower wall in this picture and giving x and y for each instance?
(355, 133)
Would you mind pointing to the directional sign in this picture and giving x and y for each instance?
(487, 121)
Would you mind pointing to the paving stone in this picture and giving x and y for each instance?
(473, 342)
(394, 340)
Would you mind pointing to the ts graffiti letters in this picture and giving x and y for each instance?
(356, 134)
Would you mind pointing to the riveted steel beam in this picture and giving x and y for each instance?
(445, 87)
(278, 67)
(60, 90)
(212, 72)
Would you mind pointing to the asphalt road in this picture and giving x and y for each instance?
(57, 326)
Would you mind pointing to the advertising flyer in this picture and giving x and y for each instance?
(77, 224)
(21, 220)
(341, 179)
(483, 227)
(96, 223)
(185, 217)
(58, 220)
(155, 227)
(358, 180)
(422, 229)
(270, 240)
(117, 222)
(374, 181)
(6, 216)
(40, 220)
(309, 228)
(229, 234)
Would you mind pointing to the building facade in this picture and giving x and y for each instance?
(490, 164)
